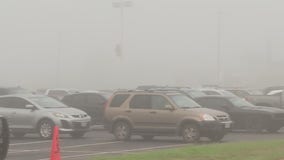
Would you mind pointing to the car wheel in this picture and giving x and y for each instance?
(121, 131)
(45, 129)
(190, 133)
(19, 134)
(77, 134)
(216, 137)
(147, 137)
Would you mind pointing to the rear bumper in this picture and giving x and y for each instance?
(207, 128)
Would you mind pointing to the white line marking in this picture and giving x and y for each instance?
(121, 151)
(21, 151)
(37, 142)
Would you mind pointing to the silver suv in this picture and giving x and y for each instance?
(156, 113)
(39, 114)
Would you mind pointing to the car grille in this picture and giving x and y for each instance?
(222, 118)
(79, 116)
(78, 125)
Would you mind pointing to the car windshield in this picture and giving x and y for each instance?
(47, 102)
(183, 101)
(239, 102)
(195, 94)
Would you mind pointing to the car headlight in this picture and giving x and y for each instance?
(207, 117)
(60, 115)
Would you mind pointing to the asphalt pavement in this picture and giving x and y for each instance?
(100, 142)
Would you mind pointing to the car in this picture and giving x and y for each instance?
(13, 90)
(39, 114)
(245, 115)
(59, 93)
(91, 102)
(211, 91)
(163, 113)
(4, 137)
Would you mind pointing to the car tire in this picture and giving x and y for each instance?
(45, 129)
(148, 137)
(18, 134)
(122, 131)
(77, 134)
(190, 133)
(216, 137)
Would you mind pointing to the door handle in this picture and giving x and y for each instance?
(128, 111)
(153, 112)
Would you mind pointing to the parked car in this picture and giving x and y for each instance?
(39, 114)
(92, 103)
(244, 114)
(4, 138)
(60, 93)
(271, 99)
(211, 91)
(156, 113)
(13, 90)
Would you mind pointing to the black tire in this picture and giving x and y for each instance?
(18, 134)
(77, 134)
(190, 133)
(45, 129)
(148, 137)
(216, 137)
(122, 131)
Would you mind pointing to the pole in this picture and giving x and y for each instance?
(58, 65)
(219, 43)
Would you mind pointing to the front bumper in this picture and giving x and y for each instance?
(209, 127)
(69, 126)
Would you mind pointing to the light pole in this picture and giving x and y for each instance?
(219, 47)
(121, 4)
(58, 63)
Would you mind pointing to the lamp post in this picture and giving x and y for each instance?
(121, 4)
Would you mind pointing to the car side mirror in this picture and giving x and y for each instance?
(4, 138)
(30, 106)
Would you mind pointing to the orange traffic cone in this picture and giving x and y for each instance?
(55, 150)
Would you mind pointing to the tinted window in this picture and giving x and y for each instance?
(214, 103)
(77, 101)
(13, 102)
(141, 101)
(183, 101)
(211, 93)
(159, 102)
(118, 100)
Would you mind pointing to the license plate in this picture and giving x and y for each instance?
(84, 124)
(227, 125)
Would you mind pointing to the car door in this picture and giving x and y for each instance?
(95, 106)
(162, 118)
(22, 118)
(139, 112)
(6, 111)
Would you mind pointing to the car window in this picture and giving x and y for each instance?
(118, 100)
(183, 101)
(211, 93)
(141, 102)
(214, 103)
(13, 102)
(159, 102)
(239, 102)
(78, 100)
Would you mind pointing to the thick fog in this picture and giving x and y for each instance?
(95, 44)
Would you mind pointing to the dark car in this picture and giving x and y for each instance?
(4, 137)
(91, 102)
(245, 115)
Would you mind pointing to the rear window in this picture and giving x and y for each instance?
(118, 100)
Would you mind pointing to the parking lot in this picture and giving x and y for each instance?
(100, 142)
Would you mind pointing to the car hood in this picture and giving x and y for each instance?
(68, 111)
(265, 109)
(211, 112)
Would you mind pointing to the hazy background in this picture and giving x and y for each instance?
(72, 43)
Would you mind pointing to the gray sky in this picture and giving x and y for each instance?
(168, 42)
